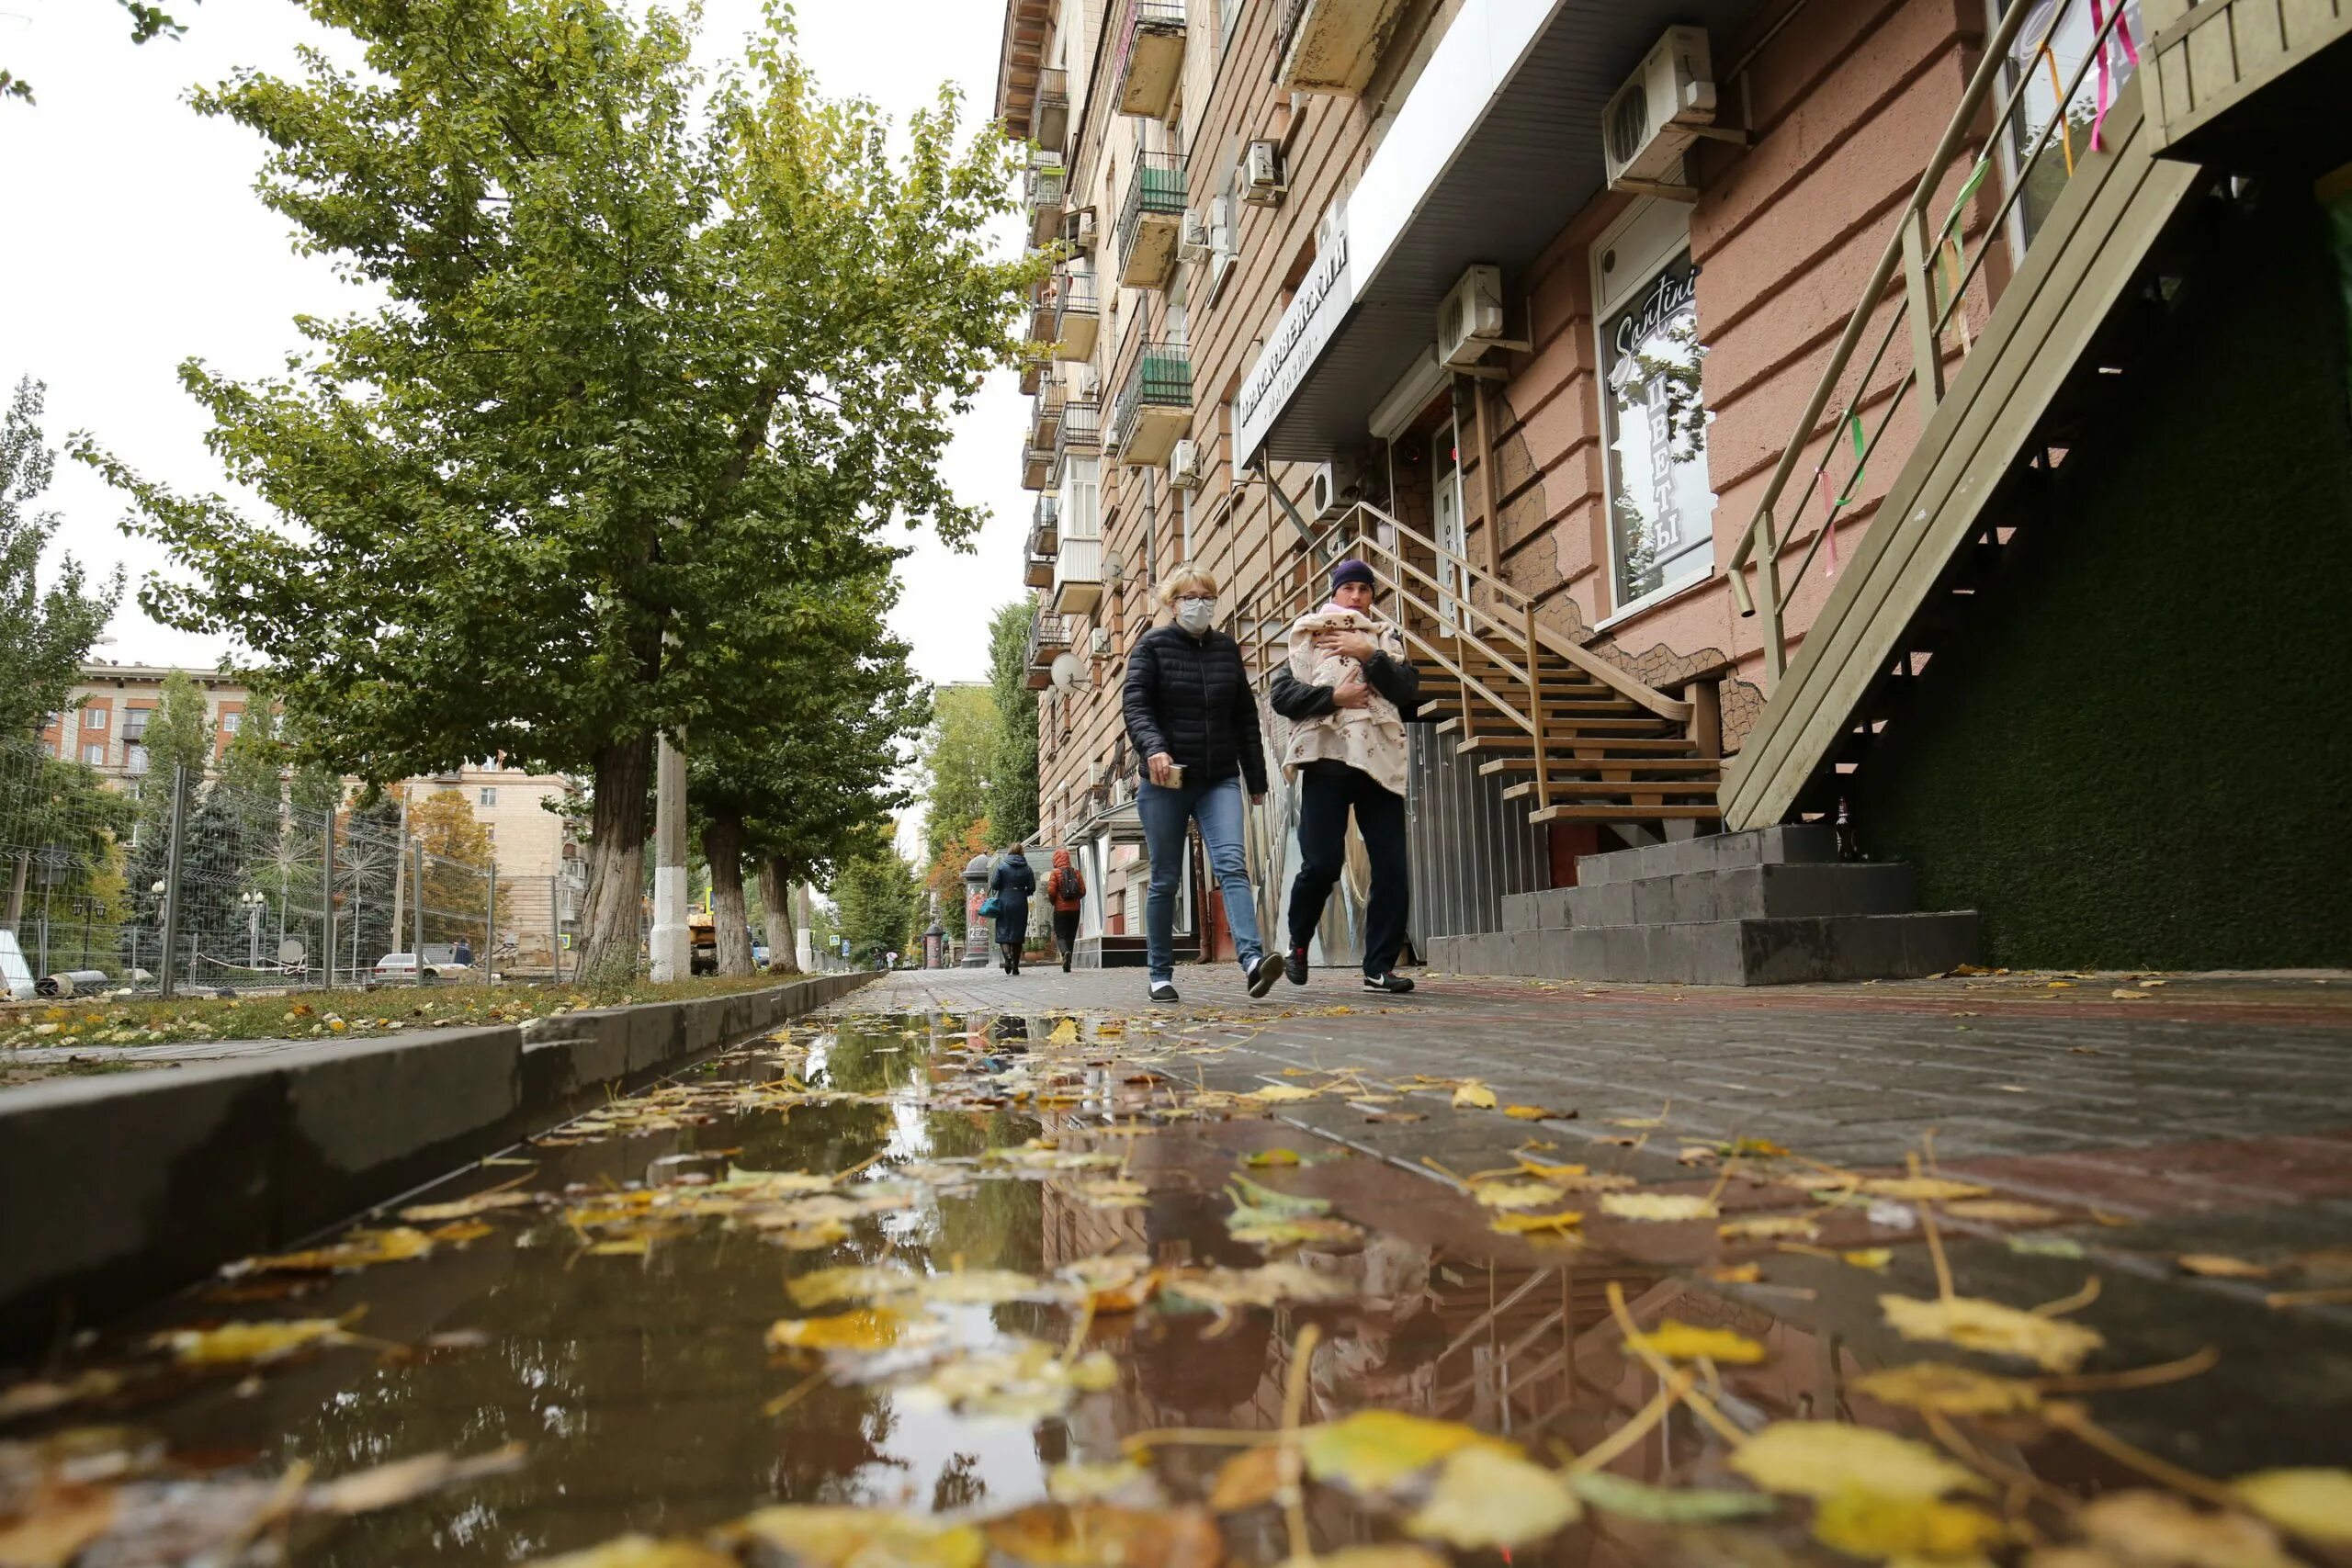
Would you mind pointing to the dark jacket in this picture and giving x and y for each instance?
(1394, 679)
(1013, 884)
(1190, 697)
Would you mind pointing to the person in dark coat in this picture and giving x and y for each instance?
(1192, 718)
(1013, 884)
(1065, 890)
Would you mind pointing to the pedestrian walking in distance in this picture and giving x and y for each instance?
(1192, 718)
(462, 953)
(1349, 689)
(1012, 884)
(1065, 890)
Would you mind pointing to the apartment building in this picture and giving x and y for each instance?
(538, 852)
(1758, 413)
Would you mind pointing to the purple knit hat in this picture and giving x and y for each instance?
(1350, 570)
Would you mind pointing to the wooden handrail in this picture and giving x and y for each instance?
(1914, 250)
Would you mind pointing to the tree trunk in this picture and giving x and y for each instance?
(777, 892)
(722, 846)
(618, 820)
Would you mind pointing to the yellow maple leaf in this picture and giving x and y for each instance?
(1821, 1459)
(1679, 1341)
(1063, 1033)
(1374, 1449)
(1994, 1329)
(1472, 1095)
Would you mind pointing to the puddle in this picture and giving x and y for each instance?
(612, 1314)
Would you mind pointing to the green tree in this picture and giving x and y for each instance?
(1013, 776)
(44, 634)
(878, 896)
(645, 339)
(959, 755)
(253, 767)
(146, 22)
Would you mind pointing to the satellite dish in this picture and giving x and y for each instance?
(1068, 670)
(290, 952)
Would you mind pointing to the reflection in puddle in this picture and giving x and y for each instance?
(621, 1325)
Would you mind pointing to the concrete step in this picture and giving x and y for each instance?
(1806, 843)
(1736, 893)
(1758, 952)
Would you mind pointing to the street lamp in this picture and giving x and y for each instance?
(254, 903)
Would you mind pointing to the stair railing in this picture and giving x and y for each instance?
(1439, 610)
(1935, 271)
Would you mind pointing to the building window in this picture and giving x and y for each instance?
(487, 797)
(134, 726)
(230, 720)
(94, 753)
(1229, 22)
(1083, 499)
(94, 718)
(490, 831)
(1653, 426)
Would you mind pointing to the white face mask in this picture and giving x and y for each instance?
(1195, 614)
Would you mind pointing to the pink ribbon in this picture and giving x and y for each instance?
(2099, 42)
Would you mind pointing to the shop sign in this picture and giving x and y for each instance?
(1323, 300)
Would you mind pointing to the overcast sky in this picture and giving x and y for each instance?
(135, 241)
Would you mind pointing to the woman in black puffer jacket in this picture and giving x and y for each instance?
(1192, 717)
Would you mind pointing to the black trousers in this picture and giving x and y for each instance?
(1066, 933)
(1328, 791)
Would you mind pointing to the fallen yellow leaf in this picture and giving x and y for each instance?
(1533, 1224)
(1680, 1341)
(2003, 1211)
(2215, 1266)
(865, 1328)
(1515, 1195)
(1866, 1524)
(233, 1343)
(1374, 1449)
(2155, 1528)
(1529, 1112)
(1765, 1227)
(1821, 1459)
(363, 1249)
(1663, 1206)
(1249, 1480)
(642, 1551)
(1994, 1329)
(1280, 1094)
(56, 1524)
(2313, 1503)
(1488, 1496)
(1474, 1096)
(1922, 1188)
(1952, 1391)
(837, 1537)
(1088, 1535)
(1874, 1259)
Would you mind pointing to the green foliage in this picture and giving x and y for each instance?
(649, 341)
(253, 763)
(1013, 776)
(44, 636)
(146, 22)
(960, 758)
(178, 733)
(877, 898)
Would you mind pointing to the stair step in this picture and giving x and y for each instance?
(1610, 766)
(1582, 788)
(1583, 748)
(1602, 731)
(1710, 812)
(1794, 843)
(1766, 951)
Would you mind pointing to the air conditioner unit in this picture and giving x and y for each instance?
(1192, 242)
(1097, 774)
(1085, 383)
(1262, 174)
(1332, 488)
(1653, 119)
(1098, 642)
(1078, 229)
(1185, 465)
(1471, 320)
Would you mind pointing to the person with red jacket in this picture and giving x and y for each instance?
(1065, 890)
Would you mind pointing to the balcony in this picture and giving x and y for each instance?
(1151, 58)
(1077, 577)
(1152, 221)
(1049, 639)
(1041, 311)
(1078, 315)
(1049, 121)
(1045, 526)
(2250, 84)
(1154, 409)
(1033, 372)
(1333, 46)
(1043, 190)
(1037, 571)
(1081, 431)
(1045, 429)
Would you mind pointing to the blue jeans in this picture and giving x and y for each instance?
(1218, 810)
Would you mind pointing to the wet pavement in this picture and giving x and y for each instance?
(944, 1252)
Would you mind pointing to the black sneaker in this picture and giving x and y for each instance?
(1163, 992)
(1262, 977)
(1391, 984)
(1295, 966)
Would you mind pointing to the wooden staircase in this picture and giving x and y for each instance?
(2054, 355)
(1575, 738)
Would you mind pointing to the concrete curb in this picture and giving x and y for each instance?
(116, 1190)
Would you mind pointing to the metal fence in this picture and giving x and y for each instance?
(179, 883)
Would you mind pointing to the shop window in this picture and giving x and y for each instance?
(1654, 424)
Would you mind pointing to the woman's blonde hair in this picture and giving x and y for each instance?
(1188, 579)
